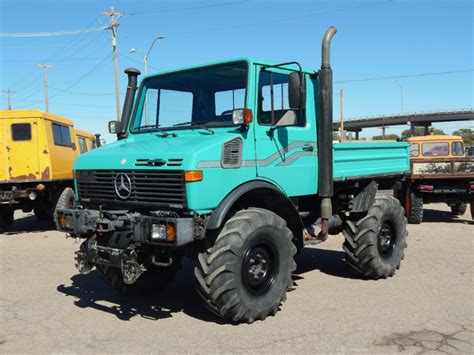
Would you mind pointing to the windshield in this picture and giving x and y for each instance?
(181, 100)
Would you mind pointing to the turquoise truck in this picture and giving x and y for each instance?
(233, 164)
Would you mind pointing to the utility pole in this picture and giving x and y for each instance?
(341, 139)
(113, 28)
(9, 92)
(45, 78)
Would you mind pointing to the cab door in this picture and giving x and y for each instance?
(22, 149)
(286, 149)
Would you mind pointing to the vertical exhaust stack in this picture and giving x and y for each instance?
(132, 74)
(326, 188)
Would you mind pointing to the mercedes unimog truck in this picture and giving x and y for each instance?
(233, 164)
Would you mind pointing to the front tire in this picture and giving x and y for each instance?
(375, 244)
(67, 199)
(245, 275)
(415, 208)
(459, 209)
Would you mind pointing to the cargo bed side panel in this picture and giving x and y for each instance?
(352, 160)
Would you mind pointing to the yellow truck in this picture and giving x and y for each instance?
(38, 150)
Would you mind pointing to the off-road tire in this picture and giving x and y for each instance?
(6, 218)
(67, 199)
(224, 272)
(155, 279)
(42, 213)
(365, 253)
(459, 209)
(415, 210)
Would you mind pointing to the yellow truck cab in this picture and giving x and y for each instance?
(436, 147)
(38, 150)
(440, 172)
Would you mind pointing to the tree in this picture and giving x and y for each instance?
(420, 131)
(388, 137)
(467, 135)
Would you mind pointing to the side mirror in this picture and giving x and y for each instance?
(242, 116)
(296, 91)
(115, 127)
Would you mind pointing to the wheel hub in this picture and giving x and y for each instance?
(386, 239)
(258, 268)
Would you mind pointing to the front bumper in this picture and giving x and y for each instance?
(86, 223)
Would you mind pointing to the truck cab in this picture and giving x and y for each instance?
(36, 161)
(441, 171)
(232, 163)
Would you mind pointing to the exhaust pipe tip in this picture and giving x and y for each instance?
(326, 47)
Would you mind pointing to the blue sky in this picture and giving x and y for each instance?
(375, 39)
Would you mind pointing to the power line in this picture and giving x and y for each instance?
(404, 76)
(48, 34)
(204, 6)
(49, 60)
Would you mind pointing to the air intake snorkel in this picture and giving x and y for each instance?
(325, 146)
(132, 74)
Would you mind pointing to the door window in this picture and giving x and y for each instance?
(273, 101)
(61, 135)
(21, 132)
(91, 144)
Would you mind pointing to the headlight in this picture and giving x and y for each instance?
(158, 232)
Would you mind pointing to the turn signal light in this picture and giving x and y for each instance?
(247, 116)
(193, 175)
(170, 233)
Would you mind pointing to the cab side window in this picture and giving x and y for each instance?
(61, 135)
(91, 144)
(457, 148)
(414, 149)
(21, 132)
(273, 106)
(82, 145)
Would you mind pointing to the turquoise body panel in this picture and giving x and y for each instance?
(286, 161)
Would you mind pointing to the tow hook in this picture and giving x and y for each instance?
(131, 269)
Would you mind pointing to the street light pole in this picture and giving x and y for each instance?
(145, 62)
(401, 92)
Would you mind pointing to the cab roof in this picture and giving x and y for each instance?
(434, 137)
(250, 62)
(80, 132)
(18, 114)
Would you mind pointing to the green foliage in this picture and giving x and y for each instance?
(388, 137)
(420, 131)
(467, 135)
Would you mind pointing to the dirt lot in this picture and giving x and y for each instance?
(45, 306)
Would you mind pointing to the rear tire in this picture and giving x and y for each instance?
(154, 279)
(245, 275)
(375, 244)
(415, 209)
(459, 209)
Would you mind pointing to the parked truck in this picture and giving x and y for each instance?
(441, 171)
(233, 164)
(38, 150)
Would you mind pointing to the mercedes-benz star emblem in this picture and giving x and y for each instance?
(123, 186)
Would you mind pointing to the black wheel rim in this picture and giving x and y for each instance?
(259, 267)
(386, 239)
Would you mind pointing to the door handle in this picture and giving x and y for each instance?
(308, 148)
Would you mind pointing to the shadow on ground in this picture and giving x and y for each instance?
(91, 291)
(436, 216)
(29, 224)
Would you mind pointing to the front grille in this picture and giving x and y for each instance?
(159, 188)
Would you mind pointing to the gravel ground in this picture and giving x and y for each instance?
(46, 307)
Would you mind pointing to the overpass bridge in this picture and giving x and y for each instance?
(422, 119)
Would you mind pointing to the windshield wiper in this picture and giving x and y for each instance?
(155, 128)
(194, 124)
